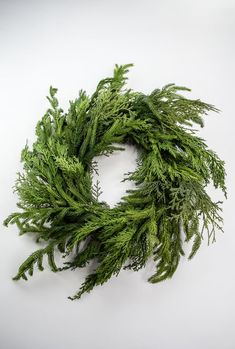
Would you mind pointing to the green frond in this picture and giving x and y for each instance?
(37, 258)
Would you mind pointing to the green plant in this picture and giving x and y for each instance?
(170, 204)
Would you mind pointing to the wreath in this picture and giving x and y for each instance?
(169, 205)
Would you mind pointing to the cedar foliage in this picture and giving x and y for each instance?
(60, 205)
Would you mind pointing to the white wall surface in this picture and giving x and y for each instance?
(71, 45)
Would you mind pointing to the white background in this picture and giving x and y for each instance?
(71, 45)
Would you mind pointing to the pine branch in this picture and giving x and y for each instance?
(37, 258)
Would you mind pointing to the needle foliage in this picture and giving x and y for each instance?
(169, 205)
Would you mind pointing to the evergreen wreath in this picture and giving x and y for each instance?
(169, 205)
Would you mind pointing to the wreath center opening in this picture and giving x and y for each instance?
(111, 171)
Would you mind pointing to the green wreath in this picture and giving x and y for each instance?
(170, 204)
